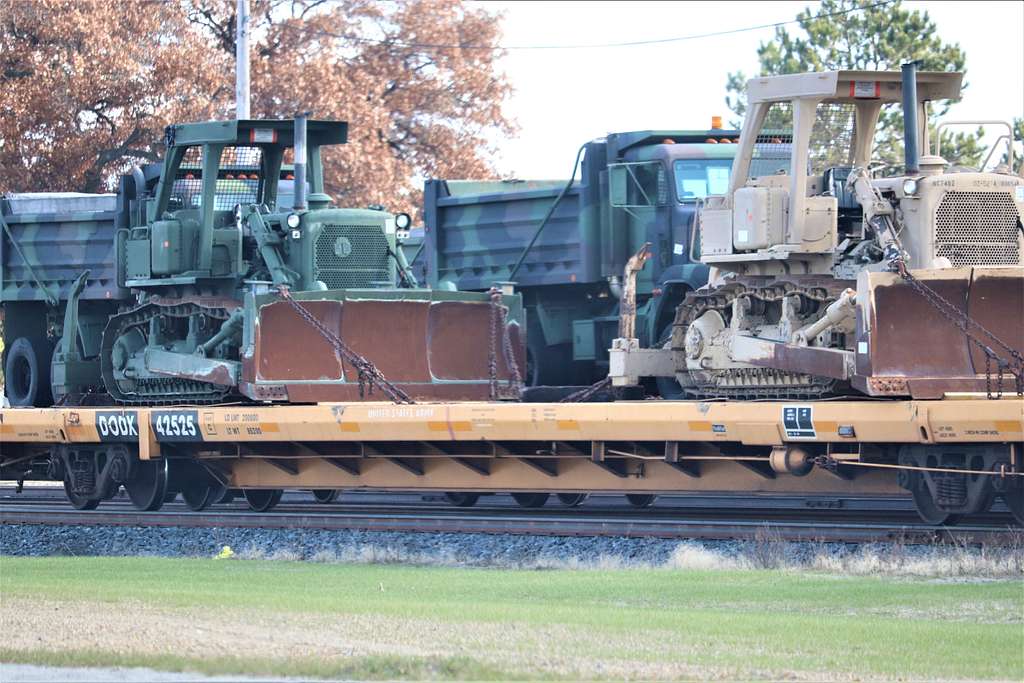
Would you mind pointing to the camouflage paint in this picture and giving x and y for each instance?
(184, 243)
(476, 230)
(74, 232)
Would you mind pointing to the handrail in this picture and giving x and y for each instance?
(986, 122)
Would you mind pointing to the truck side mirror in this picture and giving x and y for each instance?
(617, 185)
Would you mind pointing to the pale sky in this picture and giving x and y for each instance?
(565, 97)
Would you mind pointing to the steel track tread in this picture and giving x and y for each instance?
(177, 391)
(818, 288)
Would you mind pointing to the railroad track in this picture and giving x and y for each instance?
(670, 521)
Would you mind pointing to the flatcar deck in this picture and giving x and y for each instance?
(648, 446)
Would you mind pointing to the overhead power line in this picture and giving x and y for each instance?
(591, 46)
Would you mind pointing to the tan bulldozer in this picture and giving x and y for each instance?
(828, 278)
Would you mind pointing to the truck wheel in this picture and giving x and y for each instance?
(531, 366)
(27, 372)
(547, 366)
(668, 387)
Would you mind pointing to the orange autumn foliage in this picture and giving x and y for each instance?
(89, 85)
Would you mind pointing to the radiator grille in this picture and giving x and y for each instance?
(977, 228)
(352, 256)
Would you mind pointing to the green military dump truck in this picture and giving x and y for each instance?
(194, 284)
(564, 246)
(48, 240)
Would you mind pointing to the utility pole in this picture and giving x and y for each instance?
(242, 61)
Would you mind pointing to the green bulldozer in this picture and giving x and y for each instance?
(204, 279)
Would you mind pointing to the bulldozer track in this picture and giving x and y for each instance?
(159, 391)
(757, 383)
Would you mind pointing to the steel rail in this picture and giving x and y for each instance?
(632, 526)
(762, 508)
(667, 503)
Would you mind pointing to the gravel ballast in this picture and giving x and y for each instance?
(502, 550)
(509, 551)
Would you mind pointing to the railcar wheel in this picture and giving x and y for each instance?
(27, 372)
(928, 511)
(77, 501)
(201, 494)
(262, 500)
(325, 496)
(147, 485)
(530, 500)
(572, 499)
(1014, 500)
(462, 500)
(641, 500)
(195, 496)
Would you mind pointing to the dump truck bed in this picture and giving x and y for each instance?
(59, 234)
(476, 231)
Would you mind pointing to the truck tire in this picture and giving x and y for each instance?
(547, 366)
(27, 372)
(668, 388)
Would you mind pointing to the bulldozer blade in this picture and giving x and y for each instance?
(906, 346)
(432, 350)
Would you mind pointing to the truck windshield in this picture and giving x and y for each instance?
(698, 178)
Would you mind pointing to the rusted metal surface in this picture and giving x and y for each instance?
(287, 348)
(627, 304)
(810, 360)
(189, 366)
(430, 350)
(298, 392)
(997, 302)
(914, 348)
(456, 352)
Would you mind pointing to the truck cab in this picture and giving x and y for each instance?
(565, 244)
(656, 183)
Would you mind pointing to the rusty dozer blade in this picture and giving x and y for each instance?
(907, 346)
(432, 345)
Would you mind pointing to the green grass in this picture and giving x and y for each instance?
(358, 668)
(734, 623)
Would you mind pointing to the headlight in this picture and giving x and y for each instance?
(402, 221)
(293, 220)
(910, 186)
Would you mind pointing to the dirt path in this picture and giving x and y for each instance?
(139, 629)
(30, 673)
